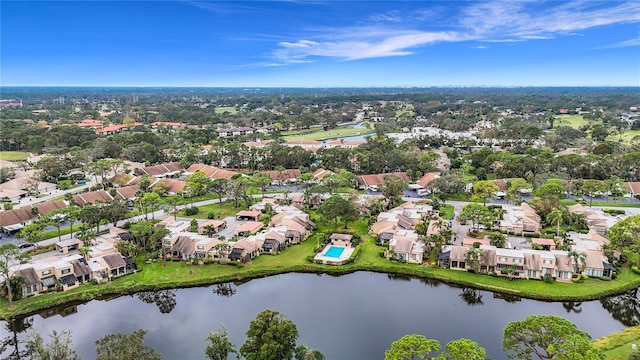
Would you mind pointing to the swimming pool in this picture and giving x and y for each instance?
(334, 252)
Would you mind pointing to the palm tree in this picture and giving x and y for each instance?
(556, 216)
(579, 260)
(84, 251)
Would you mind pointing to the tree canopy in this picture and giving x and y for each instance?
(547, 337)
(270, 337)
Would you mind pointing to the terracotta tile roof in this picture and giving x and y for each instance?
(16, 216)
(249, 226)
(92, 197)
(378, 179)
(162, 169)
(245, 245)
(427, 178)
(126, 192)
(632, 187)
(48, 206)
(249, 213)
(285, 174)
(173, 186)
(212, 171)
(321, 173)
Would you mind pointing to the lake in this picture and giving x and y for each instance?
(354, 316)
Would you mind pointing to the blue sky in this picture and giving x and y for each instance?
(320, 43)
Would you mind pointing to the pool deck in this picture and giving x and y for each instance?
(333, 260)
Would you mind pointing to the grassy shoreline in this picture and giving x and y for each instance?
(181, 275)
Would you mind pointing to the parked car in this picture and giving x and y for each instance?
(25, 245)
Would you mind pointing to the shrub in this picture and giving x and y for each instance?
(635, 269)
(494, 274)
(191, 211)
(614, 211)
(531, 235)
(577, 280)
(548, 279)
(584, 276)
(211, 215)
(604, 278)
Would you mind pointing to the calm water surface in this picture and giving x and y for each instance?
(356, 316)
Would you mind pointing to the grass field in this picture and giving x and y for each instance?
(221, 211)
(626, 136)
(230, 109)
(617, 346)
(574, 121)
(446, 212)
(329, 134)
(14, 155)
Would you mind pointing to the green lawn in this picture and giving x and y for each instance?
(446, 212)
(14, 155)
(329, 134)
(574, 121)
(230, 109)
(617, 346)
(220, 211)
(602, 203)
(626, 136)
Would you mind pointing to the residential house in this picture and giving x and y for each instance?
(235, 131)
(274, 242)
(211, 227)
(309, 145)
(520, 219)
(249, 228)
(31, 283)
(17, 218)
(632, 188)
(163, 170)
(243, 251)
(374, 181)
(248, 215)
(345, 144)
(406, 250)
(115, 264)
(281, 177)
(212, 171)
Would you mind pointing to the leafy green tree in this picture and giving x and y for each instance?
(197, 184)
(593, 187)
(150, 202)
(553, 188)
(547, 337)
(262, 182)
(304, 353)
(218, 187)
(142, 231)
(392, 189)
(463, 349)
(118, 346)
(477, 214)
(337, 207)
(411, 347)
(514, 190)
(58, 349)
(445, 186)
(9, 254)
(484, 189)
(219, 347)
(625, 235)
(270, 337)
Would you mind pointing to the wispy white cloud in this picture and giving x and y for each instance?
(492, 21)
(620, 44)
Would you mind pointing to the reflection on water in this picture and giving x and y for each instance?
(328, 312)
(224, 290)
(624, 308)
(165, 300)
(572, 306)
(12, 345)
(471, 296)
